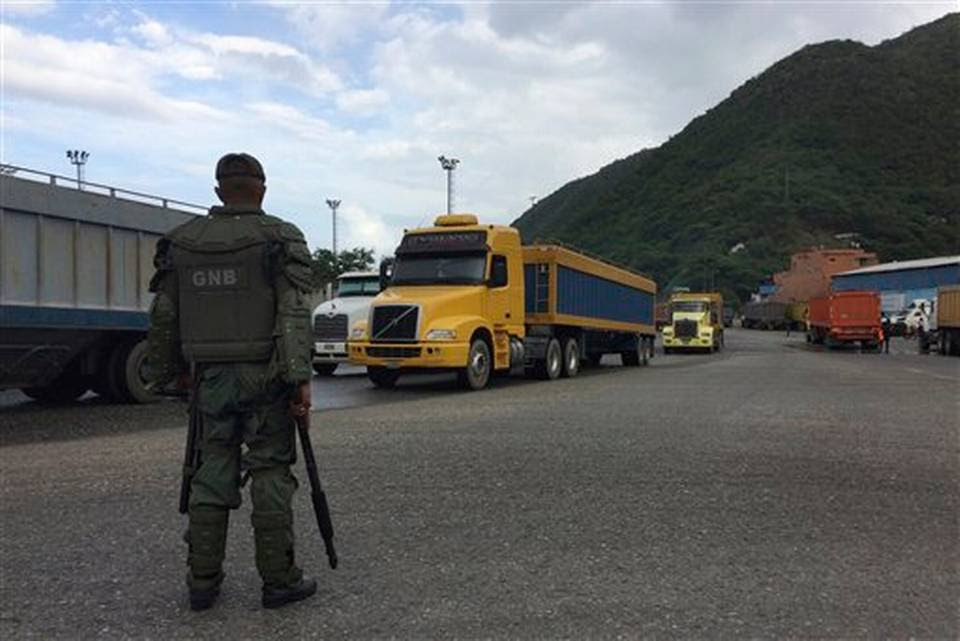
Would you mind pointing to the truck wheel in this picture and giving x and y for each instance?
(477, 372)
(324, 369)
(550, 367)
(69, 386)
(634, 357)
(382, 377)
(135, 374)
(571, 358)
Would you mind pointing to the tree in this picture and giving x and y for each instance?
(326, 269)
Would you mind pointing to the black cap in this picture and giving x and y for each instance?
(233, 165)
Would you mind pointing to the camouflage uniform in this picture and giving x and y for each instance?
(243, 390)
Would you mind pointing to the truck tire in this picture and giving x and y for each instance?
(134, 374)
(571, 358)
(325, 369)
(382, 377)
(67, 387)
(552, 365)
(636, 356)
(476, 374)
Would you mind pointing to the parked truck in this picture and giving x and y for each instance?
(470, 298)
(333, 319)
(696, 322)
(75, 266)
(944, 331)
(765, 314)
(845, 318)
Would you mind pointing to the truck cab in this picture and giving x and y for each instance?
(332, 319)
(455, 300)
(696, 322)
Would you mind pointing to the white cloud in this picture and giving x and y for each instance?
(328, 25)
(153, 32)
(363, 101)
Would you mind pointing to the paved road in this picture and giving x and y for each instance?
(768, 491)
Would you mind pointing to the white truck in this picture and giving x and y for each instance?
(333, 318)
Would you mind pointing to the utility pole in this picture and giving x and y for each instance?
(78, 158)
(333, 204)
(449, 165)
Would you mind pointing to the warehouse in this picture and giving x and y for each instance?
(899, 283)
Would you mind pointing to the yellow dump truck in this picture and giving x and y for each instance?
(696, 322)
(468, 297)
(944, 330)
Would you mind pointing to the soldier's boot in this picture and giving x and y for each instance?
(207, 540)
(283, 581)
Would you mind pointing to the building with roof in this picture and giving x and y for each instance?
(899, 283)
(810, 272)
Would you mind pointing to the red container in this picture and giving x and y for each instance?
(845, 317)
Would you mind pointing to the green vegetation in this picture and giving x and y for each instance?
(326, 269)
(836, 138)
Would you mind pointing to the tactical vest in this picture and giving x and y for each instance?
(227, 298)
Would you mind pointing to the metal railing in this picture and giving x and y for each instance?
(95, 188)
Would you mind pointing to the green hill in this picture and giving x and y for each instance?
(837, 138)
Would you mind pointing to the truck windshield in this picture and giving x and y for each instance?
(358, 287)
(433, 269)
(694, 306)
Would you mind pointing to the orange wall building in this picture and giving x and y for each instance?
(810, 272)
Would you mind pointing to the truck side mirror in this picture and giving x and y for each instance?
(498, 271)
(386, 273)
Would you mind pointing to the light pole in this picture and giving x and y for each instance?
(78, 158)
(449, 164)
(333, 204)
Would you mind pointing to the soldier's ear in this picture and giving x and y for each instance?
(219, 194)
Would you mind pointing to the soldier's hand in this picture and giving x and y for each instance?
(301, 401)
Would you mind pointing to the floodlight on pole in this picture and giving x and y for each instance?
(333, 205)
(78, 158)
(449, 165)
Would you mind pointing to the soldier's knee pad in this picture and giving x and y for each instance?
(207, 539)
(273, 537)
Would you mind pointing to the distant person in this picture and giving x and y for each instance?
(886, 328)
(230, 319)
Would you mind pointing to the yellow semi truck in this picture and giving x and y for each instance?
(696, 322)
(469, 297)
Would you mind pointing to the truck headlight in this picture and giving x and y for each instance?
(358, 333)
(441, 335)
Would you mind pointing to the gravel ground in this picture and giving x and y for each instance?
(768, 491)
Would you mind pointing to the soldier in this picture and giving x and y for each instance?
(230, 318)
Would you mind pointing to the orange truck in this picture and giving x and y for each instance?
(845, 318)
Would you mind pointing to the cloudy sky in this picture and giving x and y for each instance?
(356, 100)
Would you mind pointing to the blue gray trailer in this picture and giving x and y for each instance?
(75, 267)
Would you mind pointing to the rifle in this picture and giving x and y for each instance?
(317, 495)
(191, 457)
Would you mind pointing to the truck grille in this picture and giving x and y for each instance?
(685, 329)
(330, 328)
(393, 352)
(394, 323)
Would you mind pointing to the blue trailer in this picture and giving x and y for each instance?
(605, 308)
(75, 267)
